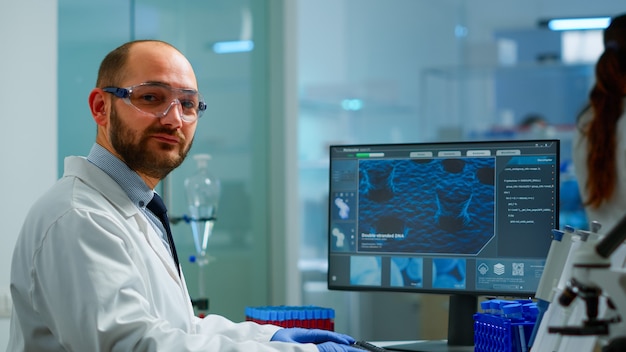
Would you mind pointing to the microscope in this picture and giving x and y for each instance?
(594, 281)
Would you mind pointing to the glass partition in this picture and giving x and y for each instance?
(233, 130)
(406, 71)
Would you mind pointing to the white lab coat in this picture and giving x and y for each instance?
(89, 273)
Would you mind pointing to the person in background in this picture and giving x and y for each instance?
(93, 268)
(532, 121)
(599, 145)
(599, 157)
(535, 126)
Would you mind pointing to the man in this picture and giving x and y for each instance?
(94, 268)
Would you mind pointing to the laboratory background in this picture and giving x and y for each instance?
(283, 80)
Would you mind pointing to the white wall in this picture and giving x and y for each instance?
(28, 105)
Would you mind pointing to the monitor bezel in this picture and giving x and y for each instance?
(427, 290)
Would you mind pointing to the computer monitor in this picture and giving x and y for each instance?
(464, 219)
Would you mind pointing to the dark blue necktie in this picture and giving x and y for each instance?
(157, 207)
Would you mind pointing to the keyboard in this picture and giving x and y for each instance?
(364, 345)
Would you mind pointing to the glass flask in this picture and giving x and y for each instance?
(203, 194)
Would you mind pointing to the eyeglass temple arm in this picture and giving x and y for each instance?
(118, 92)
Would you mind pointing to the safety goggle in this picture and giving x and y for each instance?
(157, 99)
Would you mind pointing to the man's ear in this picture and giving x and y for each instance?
(98, 105)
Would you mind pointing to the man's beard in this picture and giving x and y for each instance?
(134, 151)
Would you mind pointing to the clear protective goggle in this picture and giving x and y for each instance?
(157, 99)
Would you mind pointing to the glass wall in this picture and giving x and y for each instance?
(410, 71)
(234, 129)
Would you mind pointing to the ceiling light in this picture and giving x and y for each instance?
(236, 46)
(576, 24)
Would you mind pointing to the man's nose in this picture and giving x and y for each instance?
(173, 116)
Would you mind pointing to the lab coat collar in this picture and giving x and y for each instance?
(91, 175)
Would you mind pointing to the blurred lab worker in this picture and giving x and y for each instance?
(535, 126)
(93, 269)
(599, 146)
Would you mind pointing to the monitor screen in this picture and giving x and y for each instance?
(457, 218)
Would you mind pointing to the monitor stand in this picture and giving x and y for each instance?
(460, 329)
